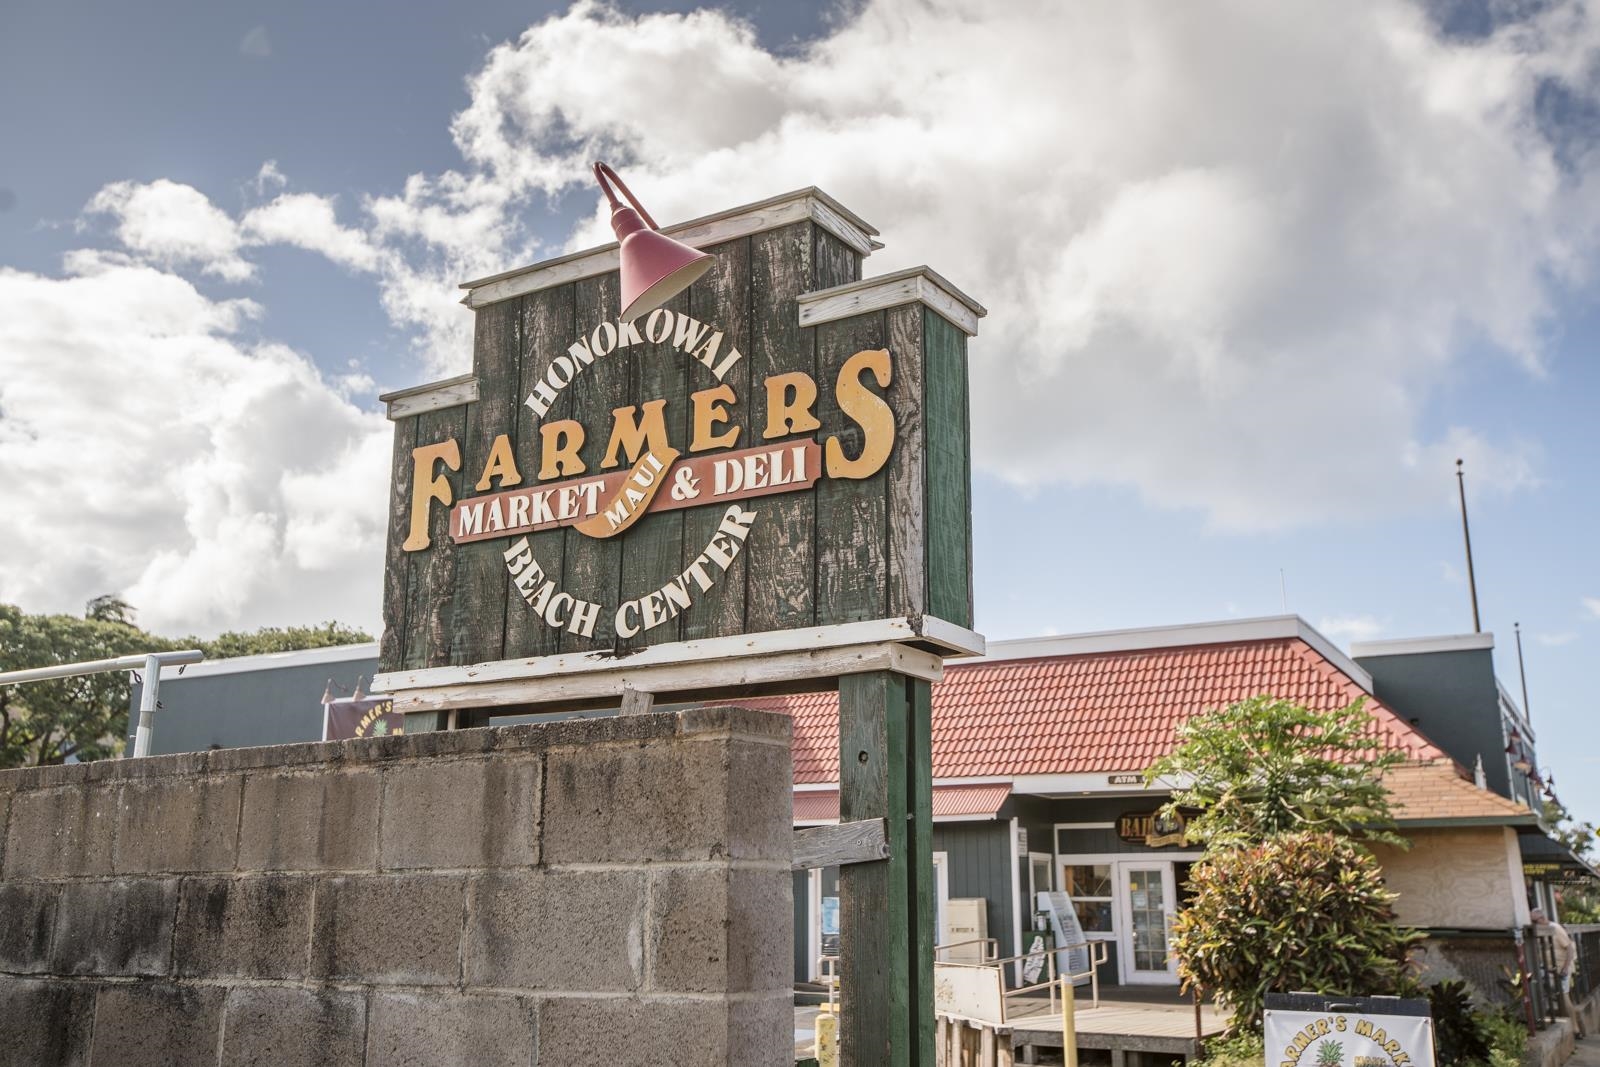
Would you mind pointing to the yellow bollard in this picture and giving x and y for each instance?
(826, 1046)
(1069, 1023)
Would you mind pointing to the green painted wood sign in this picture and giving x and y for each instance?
(782, 447)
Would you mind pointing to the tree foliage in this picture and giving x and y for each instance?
(1299, 911)
(86, 718)
(277, 639)
(1266, 766)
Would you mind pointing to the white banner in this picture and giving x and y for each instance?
(1347, 1039)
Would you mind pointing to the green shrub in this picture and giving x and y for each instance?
(1239, 1050)
(1460, 1035)
(1300, 911)
(1508, 1039)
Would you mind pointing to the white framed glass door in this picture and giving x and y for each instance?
(1147, 902)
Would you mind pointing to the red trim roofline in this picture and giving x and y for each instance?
(1265, 628)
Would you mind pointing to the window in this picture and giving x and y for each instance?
(1089, 886)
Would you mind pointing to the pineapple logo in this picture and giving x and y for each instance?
(1330, 1054)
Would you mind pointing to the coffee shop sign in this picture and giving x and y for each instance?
(644, 469)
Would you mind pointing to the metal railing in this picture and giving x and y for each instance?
(1586, 971)
(150, 662)
(1097, 951)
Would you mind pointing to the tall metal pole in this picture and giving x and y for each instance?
(1466, 533)
(1522, 672)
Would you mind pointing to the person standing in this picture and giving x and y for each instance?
(1566, 956)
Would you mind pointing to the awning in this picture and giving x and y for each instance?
(1551, 861)
(951, 803)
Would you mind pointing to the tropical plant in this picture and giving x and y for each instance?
(1239, 1049)
(1459, 1032)
(1265, 766)
(1299, 911)
(1330, 1053)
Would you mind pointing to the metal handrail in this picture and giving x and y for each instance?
(991, 952)
(150, 662)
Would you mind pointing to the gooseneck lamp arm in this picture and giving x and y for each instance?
(602, 171)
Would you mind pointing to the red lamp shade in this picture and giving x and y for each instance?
(655, 268)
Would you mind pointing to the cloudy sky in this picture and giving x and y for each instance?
(1257, 275)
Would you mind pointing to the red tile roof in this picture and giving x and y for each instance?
(949, 801)
(1096, 712)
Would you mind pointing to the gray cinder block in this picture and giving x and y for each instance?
(582, 1031)
(57, 832)
(389, 929)
(310, 821)
(411, 1030)
(257, 926)
(714, 930)
(45, 1024)
(575, 930)
(27, 920)
(117, 927)
(157, 1025)
(178, 824)
(268, 1026)
(464, 813)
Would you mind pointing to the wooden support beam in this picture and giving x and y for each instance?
(837, 846)
(636, 701)
(886, 945)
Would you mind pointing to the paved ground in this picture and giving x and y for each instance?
(1588, 1053)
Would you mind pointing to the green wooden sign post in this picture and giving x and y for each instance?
(762, 487)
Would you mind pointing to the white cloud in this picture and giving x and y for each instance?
(1229, 254)
(149, 451)
(174, 225)
(1591, 604)
(256, 43)
(1346, 629)
(305, 220)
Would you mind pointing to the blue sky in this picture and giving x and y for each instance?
(1255, 280)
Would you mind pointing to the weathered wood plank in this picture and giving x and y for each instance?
(429, 607)
(722, 297)
(781, 593)
(478, 609)
(919, 866)
(918, 284)
(801, 207)
(397, 562)
(852, 514)
(833, 263)
(681, 678)
(874, 912)
(548, 327)
(592, 567)
(711, 649)
(652, 551)
(949, 493)
(864, 841)
(907, 548)
(636, 701)
(449, 393)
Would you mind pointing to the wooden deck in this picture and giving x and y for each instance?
(1119, 1026)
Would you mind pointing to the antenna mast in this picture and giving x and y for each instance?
(1466, 533)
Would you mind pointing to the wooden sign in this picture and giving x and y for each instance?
(1152, 828)
(783, 447)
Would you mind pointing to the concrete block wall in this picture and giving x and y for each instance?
(599, 891)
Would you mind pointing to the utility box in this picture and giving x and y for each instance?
(967, 919)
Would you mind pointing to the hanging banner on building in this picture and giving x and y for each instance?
(368, 717)
(1309, 1030)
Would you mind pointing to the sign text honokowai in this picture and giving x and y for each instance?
(644, 470)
